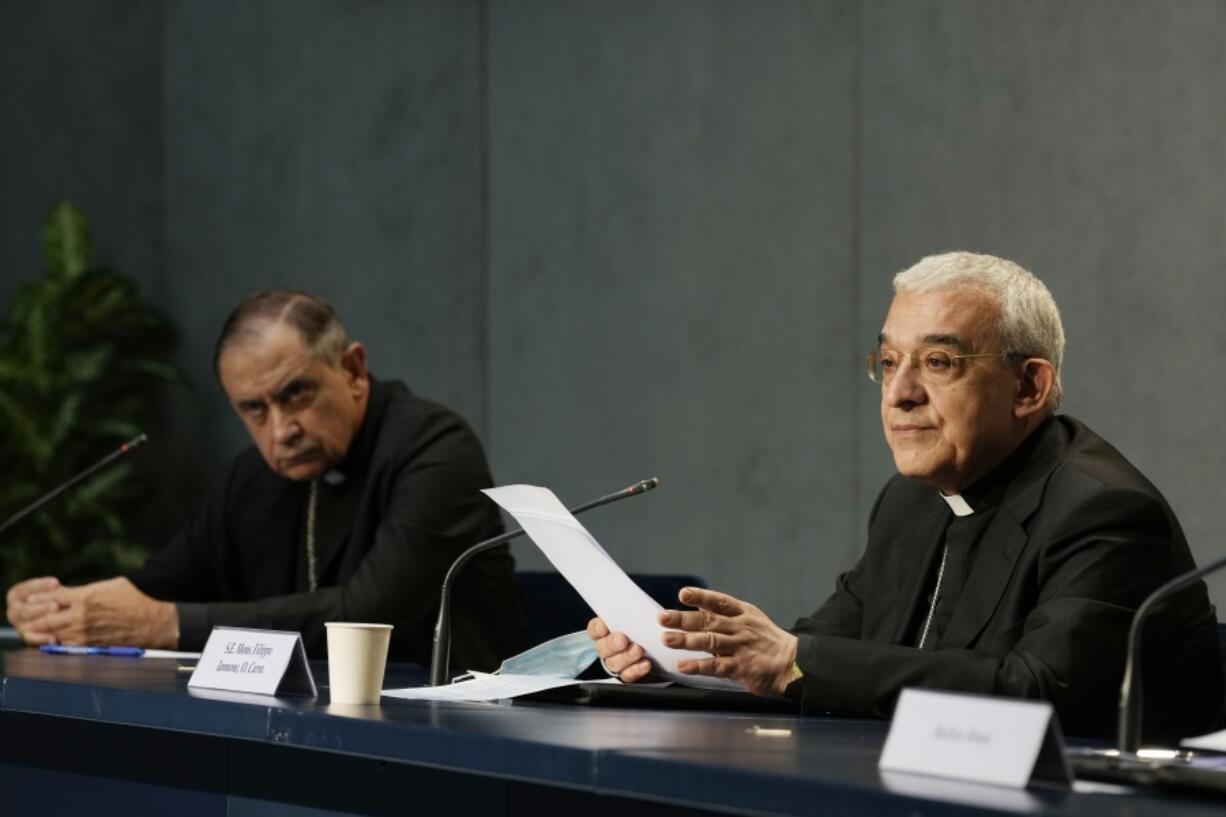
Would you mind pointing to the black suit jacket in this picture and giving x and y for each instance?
(1079, 540)
(410, 502)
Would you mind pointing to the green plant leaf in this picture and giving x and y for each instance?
(68, 245)
(25, 433)
(118, 429)
(127, 556)
(96, 488)
(11, 367)
(35, 338)
(29, 295)
(88, 365)
(112, 298)
(55, 538)
(66, 419)
(153, 368)
(15, 495)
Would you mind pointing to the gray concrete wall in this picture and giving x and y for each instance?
(80, 119)
(652, 238)
(671, 267)
(333, 147)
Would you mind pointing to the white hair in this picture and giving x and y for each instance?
(1030, 321)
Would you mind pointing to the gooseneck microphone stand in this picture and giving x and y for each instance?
(441, 652)
(88, 472)
(1129, 737)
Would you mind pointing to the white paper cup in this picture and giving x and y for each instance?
(357, 656)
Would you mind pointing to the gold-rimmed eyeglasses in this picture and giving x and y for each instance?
(934, 366)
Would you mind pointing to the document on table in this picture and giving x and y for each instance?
(597, 578)
(1214, 741)
(486, 687)
(171, 654)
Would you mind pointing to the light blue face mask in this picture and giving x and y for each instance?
(563, 657)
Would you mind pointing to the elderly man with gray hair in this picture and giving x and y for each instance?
(1006, 557)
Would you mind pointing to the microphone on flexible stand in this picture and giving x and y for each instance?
(1128, 762)
(441, 653)
(88, 472)
(1129, 736)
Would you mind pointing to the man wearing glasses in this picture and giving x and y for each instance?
(1006, 557)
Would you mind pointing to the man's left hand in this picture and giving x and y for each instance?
(745, 644)
(111, 613)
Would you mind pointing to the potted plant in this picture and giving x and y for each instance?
(81, 355)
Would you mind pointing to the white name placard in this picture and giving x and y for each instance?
(267, 662)
(999, 741)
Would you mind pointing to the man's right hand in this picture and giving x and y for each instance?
(28, 603)
(618, 653)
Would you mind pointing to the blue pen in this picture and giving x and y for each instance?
(67, 649)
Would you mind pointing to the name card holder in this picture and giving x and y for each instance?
(998, 741)
(266, 662)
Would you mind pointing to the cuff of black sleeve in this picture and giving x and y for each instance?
(194, 625)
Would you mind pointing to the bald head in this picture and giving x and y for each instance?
(311, 317)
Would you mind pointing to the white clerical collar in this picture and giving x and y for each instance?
(957, 504)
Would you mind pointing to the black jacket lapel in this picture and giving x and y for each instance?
(998, 551)
(333, 526)
(1003, 543)
(341, 492)
(912, 568)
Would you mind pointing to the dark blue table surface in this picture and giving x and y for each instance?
(714, 759)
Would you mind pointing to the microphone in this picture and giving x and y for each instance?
(88, 472)
(1128, 739)
(440, 654)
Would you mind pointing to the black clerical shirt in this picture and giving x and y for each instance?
(409, 503)
(963, 533)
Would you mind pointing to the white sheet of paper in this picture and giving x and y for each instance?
(485, 687)
(597, 578)
(170, 654)
(1214, 741)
